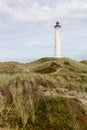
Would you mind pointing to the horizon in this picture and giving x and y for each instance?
(28, 60)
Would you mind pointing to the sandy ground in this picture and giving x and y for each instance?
(3, 129)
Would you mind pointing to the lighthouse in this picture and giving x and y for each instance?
(57, 40)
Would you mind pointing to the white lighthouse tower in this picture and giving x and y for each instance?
(57, 40)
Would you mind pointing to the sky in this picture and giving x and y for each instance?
(27, 28)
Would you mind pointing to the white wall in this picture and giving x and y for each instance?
(57, 42)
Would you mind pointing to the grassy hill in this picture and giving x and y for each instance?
(84, 62)
(47, 94)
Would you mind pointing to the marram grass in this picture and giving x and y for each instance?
(49, 94)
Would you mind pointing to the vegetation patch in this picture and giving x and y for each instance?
(48, 94)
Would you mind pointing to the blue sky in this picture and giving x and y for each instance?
(27, 28)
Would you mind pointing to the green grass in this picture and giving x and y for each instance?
(48, 94)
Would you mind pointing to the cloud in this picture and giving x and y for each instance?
(20, 11)
(24, 11)
(72, 9)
